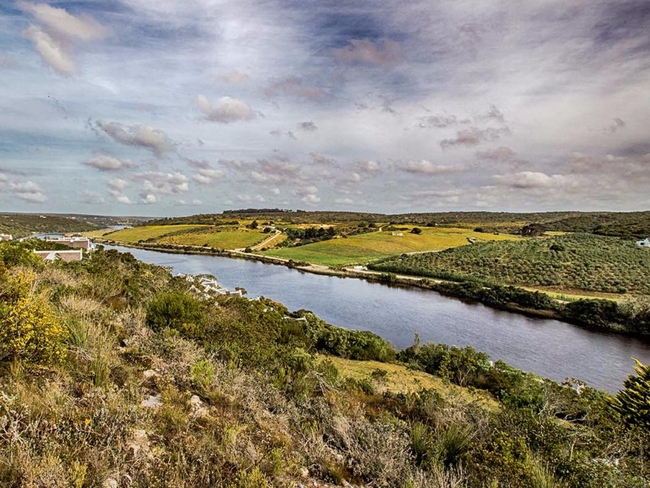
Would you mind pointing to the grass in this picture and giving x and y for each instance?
(222, 237)
(400, 379)
(228, 239)
(136, 234)
(376, 245)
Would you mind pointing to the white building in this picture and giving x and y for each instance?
(644, 243)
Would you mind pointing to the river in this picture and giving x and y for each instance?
(549, 348)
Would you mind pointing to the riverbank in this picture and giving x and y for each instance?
(595, 314)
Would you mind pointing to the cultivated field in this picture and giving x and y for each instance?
(144, 233)
(376, 245)
(219, 239)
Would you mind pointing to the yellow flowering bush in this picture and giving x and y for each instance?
(29, 328)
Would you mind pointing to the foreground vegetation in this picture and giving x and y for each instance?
(113, 374)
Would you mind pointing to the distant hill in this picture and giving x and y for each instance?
(24, 224)
(620, 224)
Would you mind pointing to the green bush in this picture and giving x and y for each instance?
(177, 310)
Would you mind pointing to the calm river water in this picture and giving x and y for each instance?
(547, 347)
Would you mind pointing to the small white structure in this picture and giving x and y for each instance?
(644, 243)
(6, 237)
(66, 256)
(397, 234)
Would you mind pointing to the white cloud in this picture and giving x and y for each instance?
(228, 110)
(52, 51)
(311, 199)
(118, 184)
(53, 41)
(424, 166)
(205, 176)
(157, 182)
(104, 162)
(123, 199)
(65, 24)
(534, 179)
(92, 197)
(138, 135)
(28, 191)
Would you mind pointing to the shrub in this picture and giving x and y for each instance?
(29, 328)
(176, 310)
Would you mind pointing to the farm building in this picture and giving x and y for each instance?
(6, 237)
(644, 243)
(66, 256)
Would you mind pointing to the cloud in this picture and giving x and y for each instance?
(424, 166)
(616, 126)
(293, 86)
(364, 51)
(369, 166)
(501, 154)
(227, 111)
(123, 199)
(206, 176)
(28, 191)
(437, 121)
(194, 202)
(307, 126)
(103, 162)
(157, 182)
(116, 187)
(311, 199)
(139, 136)
(279, 133)
(64, 24)
(148, 198)
(344, 201)
(324, 160)
(308, 194)
(248, 198)
(53, 41)
(91, 197)
(277, 172)
(118, 184)
(474, 136)
(494, 114)
(534, 180)
(237, 78)
(52, 51)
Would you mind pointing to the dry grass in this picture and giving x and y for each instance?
(400, 379)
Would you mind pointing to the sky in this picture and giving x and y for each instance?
(169, 107)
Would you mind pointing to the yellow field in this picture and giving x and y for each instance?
(225, 239)
(136, 234)
(367, 247)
